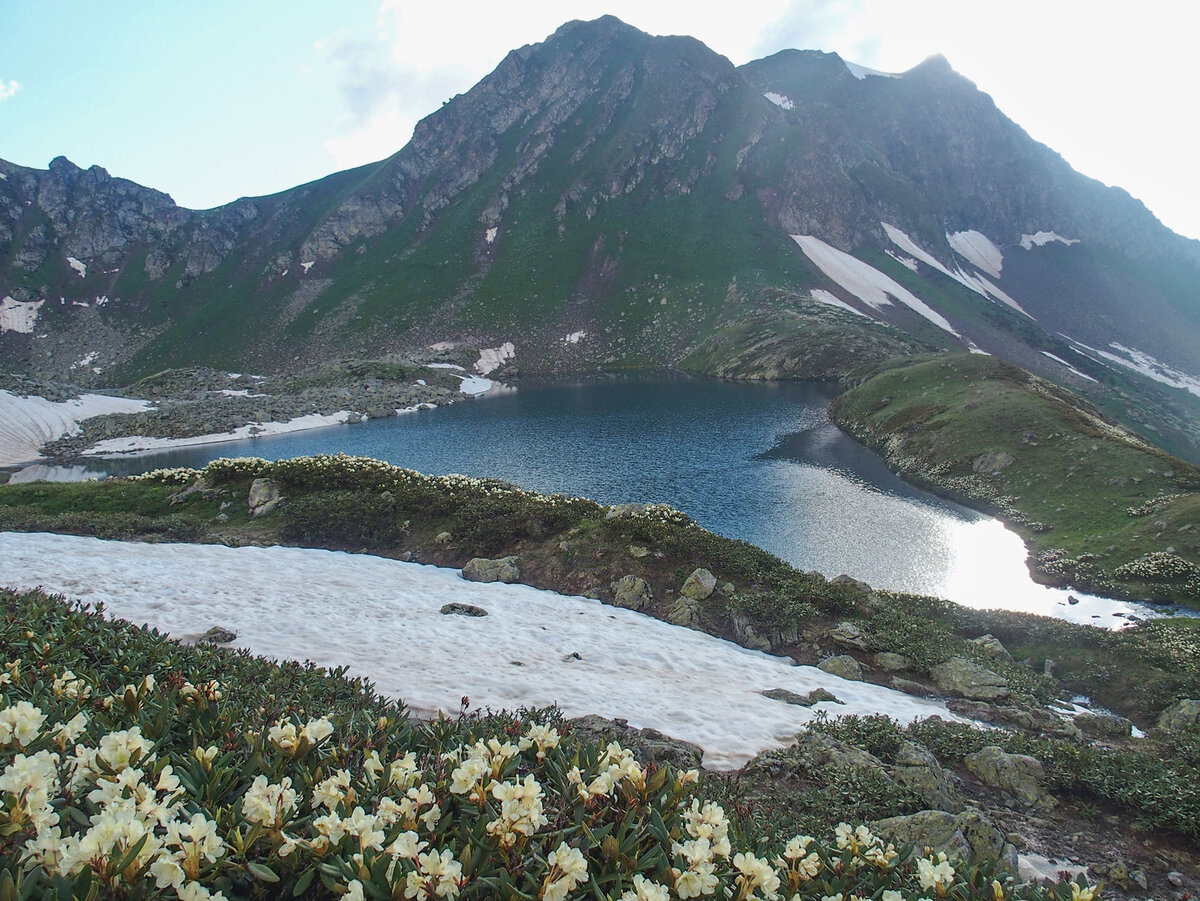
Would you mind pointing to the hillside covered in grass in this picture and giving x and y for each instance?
(1100, 508)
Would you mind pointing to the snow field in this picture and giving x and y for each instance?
(26, 423)
(381, 618)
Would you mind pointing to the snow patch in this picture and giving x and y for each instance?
(110, 447)
(102, 301)
(574, 337)
(906, 262)
(833, 300)
(861, 72)
(490, 358)
(976, 283)
(780, 100)
(444, 366)
(18, 316)
(490, 234)
(308, 265)
(575, 652)
(78, 266)
(974, 348)
(1060, 361)
(864, 281)
(444, 345)
(86, 360)
(240, 392)
(1141, 362)
(978, 250)
(26, 423)
(1041, 239)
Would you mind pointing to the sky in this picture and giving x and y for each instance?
(228, 98)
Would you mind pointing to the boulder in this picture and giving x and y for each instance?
(637, 551)
(1180, 714)
(443, 538)
(264, 497)
(631, 592)
(890, 662)
(1018, 775)
(824, 750)
(992, 647)
(462, 609)
(217, 635)
(961, 676)
(764, 636)
(1104, 725)
(699, 585)
(480, 569)
(968, 835)
(849, 634)
(918, 770)
(842, 665)
(816, 696)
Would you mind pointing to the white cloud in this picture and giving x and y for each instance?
(8, 88)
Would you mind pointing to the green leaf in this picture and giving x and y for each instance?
(304, 882)
(261, 871)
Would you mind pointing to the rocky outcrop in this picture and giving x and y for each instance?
(264, 497)
(482, 569)
(816, 696)
(1031, 719)
(1180, 714)
(969, 679)
(1017, 775)
(632, 592)
(647, 745)
(970, 835)
(918, 770)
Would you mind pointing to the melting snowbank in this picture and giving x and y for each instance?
(26, 423)
(381, 617)
(137, 443)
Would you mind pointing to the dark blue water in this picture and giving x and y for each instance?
(760, 462)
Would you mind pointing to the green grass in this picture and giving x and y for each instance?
(1073, 479)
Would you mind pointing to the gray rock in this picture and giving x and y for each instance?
(816, 696)
(843, 665)
(632, 592)
(992, 462)
(969, 679)
(1182, 713)
(825, 750)
(481, 569)
(637, 551)
(699, 585)
(617, 511)
(264, 497)
(918, 770)
(1018, 775)
(443, 538)
(968, 835)
(992, 647)
(217, 635)
(764, 636)
(909, 687)
(647, 745)
(886, 660)
(1031, 719)
(462, 609)
(1104, 725)
(849, 634)
(685, 612)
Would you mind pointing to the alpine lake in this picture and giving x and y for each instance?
(760, 462)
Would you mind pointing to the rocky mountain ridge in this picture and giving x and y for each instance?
(608, 199)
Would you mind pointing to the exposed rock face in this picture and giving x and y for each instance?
(992, 462)
(648, 745)
(843, 665)
(1180, 714)
(969, 834)
(971, 680)
(481, 569)
(1033, 719)
(917, 769)
(264, 497)
(685, 612)
(886, 660)
(1104, 725)
(699, 585)
(1018, 775)
(632, 592)
(992, 647)
(849, 634)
